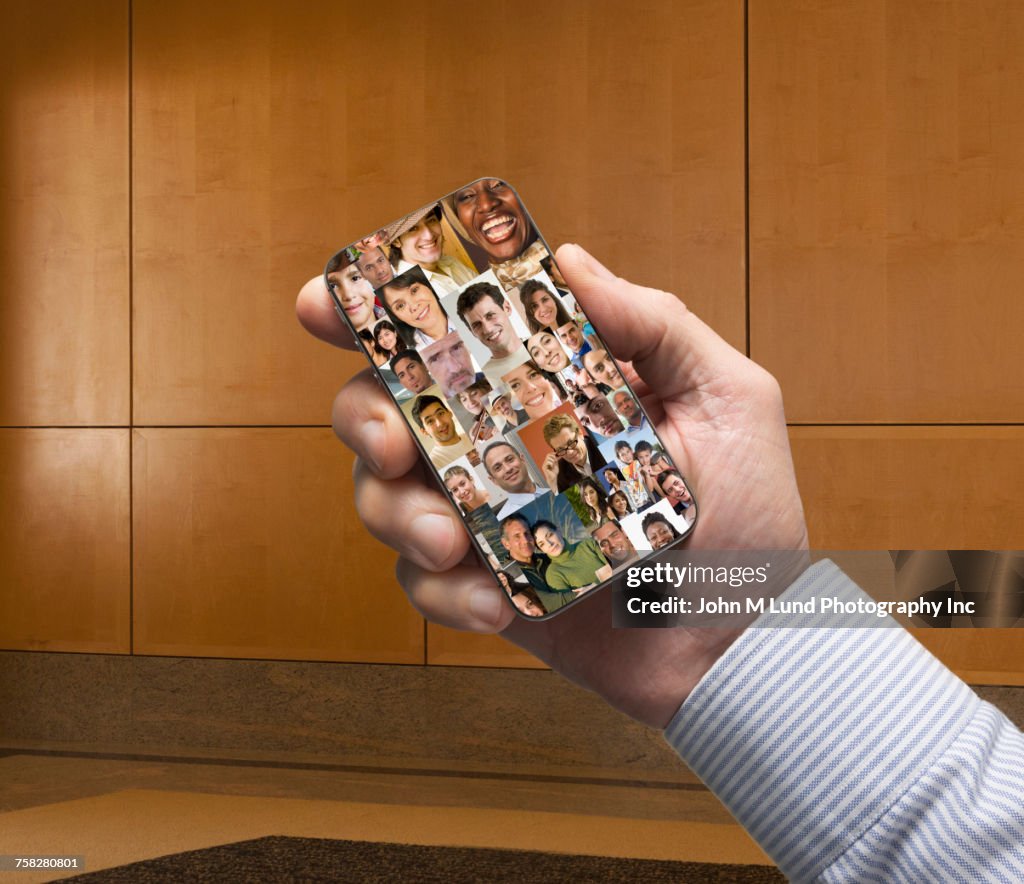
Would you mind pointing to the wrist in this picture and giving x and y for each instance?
(705, 645)
(670, 693)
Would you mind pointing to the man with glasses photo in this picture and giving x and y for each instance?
(574, 454)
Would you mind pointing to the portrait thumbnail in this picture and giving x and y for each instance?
(406, 375)
(512, 470)
(489, 215)
(575, 562)
(597, 414)
(484, 315)
(436, 427)
(506, 412)
(628, 408)
(547, 351)
(565, 451)
(656, 527)
(450, 364)
(676, 492)
(470, 406)
(414, 309)
(602, 368)
(425, 239)
(351, 292)
(542, 304)
(590, 501)
(614, 543)
(535, 391)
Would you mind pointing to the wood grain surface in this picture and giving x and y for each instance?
(882, 198)
(246, 546)
(65, 540)
(64, 323)
(269, 134)
(887, 488)
(886, 180)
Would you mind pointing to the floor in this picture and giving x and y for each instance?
(113, 806)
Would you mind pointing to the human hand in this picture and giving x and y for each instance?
(721, 419)
(550, 469)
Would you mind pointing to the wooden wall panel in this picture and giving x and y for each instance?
(64, 540)
(921, 488)
(268, 133)
(246, 546)
(64, 321)
(886, 234)
(449, 647)
(911, 487)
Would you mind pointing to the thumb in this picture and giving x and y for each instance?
(669, 346)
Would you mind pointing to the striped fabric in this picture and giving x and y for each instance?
(852, 754)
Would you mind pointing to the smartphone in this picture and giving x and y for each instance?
(512, 396)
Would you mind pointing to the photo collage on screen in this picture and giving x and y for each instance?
(540, 442)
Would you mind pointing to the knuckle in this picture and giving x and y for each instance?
(365, 494)
(350, 408)
(671, 303)
(339, 413)
(767, 385)
(410, 577)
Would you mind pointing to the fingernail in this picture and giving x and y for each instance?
(374, 438)
(592, 264)
(486, 605)
(433, 536)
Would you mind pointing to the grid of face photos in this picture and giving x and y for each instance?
(540, 442)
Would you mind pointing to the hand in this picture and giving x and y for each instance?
(721, 418)
(550, 470)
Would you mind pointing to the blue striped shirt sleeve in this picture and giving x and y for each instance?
(852, 754)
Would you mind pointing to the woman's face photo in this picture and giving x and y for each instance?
(535, 392)
(355, 294)
(422, 243)
(542, 305)
(590, 496)
(545, 350)
(493, 218)
(472, 400)
(659, 534)
(386, 339)
(462, 488)
(548, 541)
(620, 504)
(415, 306)
(527, 605)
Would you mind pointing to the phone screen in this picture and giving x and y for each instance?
(512, 396)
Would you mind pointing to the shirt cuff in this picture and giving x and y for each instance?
(809, 734)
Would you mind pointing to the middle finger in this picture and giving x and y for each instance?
(367, 421)
(410, 516)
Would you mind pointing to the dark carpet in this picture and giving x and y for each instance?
(278, 858)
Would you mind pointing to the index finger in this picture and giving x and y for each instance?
(316, 311)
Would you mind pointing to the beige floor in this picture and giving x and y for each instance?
(115, 811)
